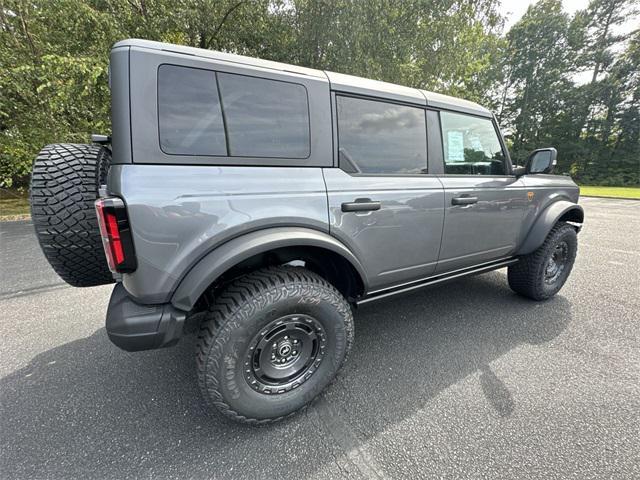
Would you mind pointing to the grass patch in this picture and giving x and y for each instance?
(613, 192)
(14, 205)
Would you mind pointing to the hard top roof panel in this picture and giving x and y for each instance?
(339, 81)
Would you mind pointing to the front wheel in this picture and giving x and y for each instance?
(272, 341)
(542, 273)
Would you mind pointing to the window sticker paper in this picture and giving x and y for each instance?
(455, 141)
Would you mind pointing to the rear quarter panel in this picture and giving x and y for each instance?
(180, 213)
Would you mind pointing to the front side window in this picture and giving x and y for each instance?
(265, 118)
(471, 145)
(381, 138)
(189, 115)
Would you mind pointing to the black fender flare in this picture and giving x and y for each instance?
(545, 222)
(234, 251)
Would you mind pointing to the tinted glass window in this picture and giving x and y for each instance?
(265, 118)
(380, 137)
(189, 114)
(471, 145)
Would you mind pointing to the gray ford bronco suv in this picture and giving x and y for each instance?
(258, 204)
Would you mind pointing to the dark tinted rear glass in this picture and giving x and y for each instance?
(189, 114)
(380, 137)
(265, 118)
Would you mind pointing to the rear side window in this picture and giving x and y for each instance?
(380, 137)
(202, 112)
(471, 145)
(189, 114)
(265, 118)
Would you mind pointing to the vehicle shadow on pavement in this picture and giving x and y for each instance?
(88, 409)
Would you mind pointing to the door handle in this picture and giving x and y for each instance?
(464, 200)
(361, 205)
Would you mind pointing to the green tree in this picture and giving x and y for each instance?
(445, 45)
(544, 106)
(601, 100)
(54, 58)
(538, 58)
(614, 127)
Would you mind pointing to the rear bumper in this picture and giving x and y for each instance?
(132, 326)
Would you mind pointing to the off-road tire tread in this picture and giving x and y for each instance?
(64, 186)
(244, 297)
(525, 276)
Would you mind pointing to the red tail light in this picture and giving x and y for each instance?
(116, 235)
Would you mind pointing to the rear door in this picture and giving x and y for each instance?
(383, 202)
(484, 202)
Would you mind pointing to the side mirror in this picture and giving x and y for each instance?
(519, 171)
(542, 160)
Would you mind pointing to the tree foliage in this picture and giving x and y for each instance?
(588, 122)
(54, 59)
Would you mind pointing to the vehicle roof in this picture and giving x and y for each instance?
(338, 81)
(392, 91)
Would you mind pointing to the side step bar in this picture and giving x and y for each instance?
(444, 277)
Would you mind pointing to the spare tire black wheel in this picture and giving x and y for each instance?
(64, 187)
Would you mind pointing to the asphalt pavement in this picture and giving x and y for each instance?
(465, 380)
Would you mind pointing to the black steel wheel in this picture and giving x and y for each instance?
(542, 273)
(556, 263)
(285, 354)
(272, 341)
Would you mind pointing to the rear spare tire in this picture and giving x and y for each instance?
(64, 187)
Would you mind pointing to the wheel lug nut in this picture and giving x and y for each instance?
(294, 353)
(295, 342)
(286, 337)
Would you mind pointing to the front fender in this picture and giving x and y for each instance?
(229, 254)
(545, 222)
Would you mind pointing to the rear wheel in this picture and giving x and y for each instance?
(542, 273)
(64, 187)
(273, 340)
